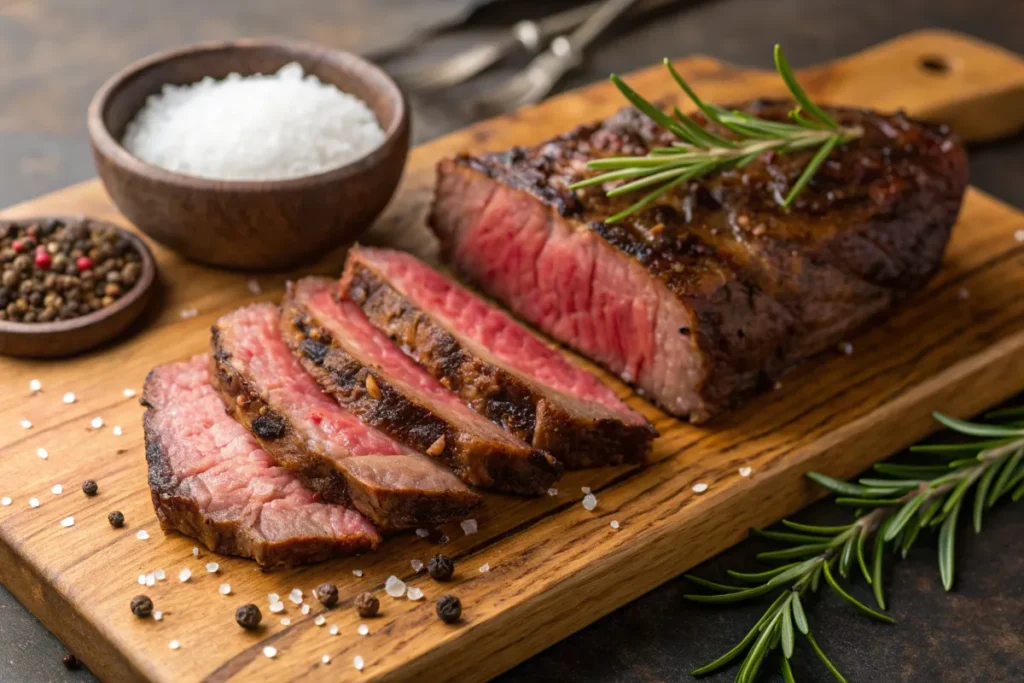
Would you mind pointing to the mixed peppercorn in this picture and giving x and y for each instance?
(57, 270)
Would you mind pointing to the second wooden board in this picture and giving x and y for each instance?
(537, 569)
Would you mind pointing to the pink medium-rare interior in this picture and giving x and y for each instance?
(254, 337)
(567, 281)
(226, 472)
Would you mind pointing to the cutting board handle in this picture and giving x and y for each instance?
(975, 87)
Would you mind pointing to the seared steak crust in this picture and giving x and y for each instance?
(580, 432)
(210, 480)
(716, 288)
(307, 433)
(478, 452)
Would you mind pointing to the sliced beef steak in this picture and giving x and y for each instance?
(333, 452)
(493, 363)
(371, 377)
(210, 480)
(714, 290)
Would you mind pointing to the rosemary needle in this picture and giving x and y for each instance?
(701, 152)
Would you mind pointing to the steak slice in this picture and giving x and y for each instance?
(714, 290)
(368, 375)
(330, 449)
(493, 363)
(210, 480)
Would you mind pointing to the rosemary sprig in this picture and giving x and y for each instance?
(701, 152)
(893, 509)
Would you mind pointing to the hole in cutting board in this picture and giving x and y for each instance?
(936, 65)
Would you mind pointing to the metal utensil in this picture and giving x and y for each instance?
(540, 76)
(529, 36)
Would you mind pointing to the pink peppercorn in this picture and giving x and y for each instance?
(83, 263)
(43, 260)
(18, 246)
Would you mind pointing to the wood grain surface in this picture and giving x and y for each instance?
(554, 567)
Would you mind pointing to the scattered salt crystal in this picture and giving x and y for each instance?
(326, 659)
(334, 630)
(254, 287)
(69, 398)
(964, 294)
(423, 533)
(778, 385)
(260, 127)
(184, 575)
(745, 471)
(614, 524)
(35, 385)
(212, 567)
(269, 652)
(25, 424)
(96, 423)
(128, 393)
(305, 609)
(5, 501)
(364, 629)
(296, 596)
(158, 615)
(1019, 235)
(143, 535)
(57, 489)
(590, 501)
(847, 348)
(142, 579)
(33, 502)
(224, 589)
(319, 620)
(174, 645)
(277, 607)
(469, 526)
(357, 572)
(42, 453)
(67, 521)
(416, 565)
(160, 574)
(484, 568)
(187, 313)
(394, 587)
(414, 593)
(358, 663)
(195, 551)
(273, 597)
(552, 492)
(117, 430)
(285, 621)
(699, 488)
(150, 580)
(585, 489)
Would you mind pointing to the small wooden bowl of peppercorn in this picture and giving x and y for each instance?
(249, 224)
(68, 284)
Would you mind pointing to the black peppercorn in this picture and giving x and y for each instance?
(116, 519)
(367, 605)
(248, 616)
(70, 661)
(449, 609)
(142, 606)
(441, 568)
(327, 594)
(90, 487)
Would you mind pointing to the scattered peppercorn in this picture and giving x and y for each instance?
(90, 487)
(142, 606)
(441, 568)
(70, 661)
(52, 270)
(116, 519)
(248, 616)
(327, 594)
(367, 605)
(449, 609)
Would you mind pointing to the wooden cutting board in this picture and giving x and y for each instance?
(554, 566)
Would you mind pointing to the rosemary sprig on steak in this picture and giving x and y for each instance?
(701, 151)
(892, 512)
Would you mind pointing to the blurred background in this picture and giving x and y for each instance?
(54, 54)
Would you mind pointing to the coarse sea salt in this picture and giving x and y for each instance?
(96, 423)
(394, 587)
(273, 597)
(67, 521)
(552, 492)
(484, 568)
(69, 398)
(590, 501)
(35, 385)
(320, 620)
(260, 127)
(326, 659)
(357, 573)
(33, 502)
(305, 609)
(212, 567)
(363, 629)
(150, 580)
(42, 453)
(158, 615)
(174, 645)
(414, 593)
(614, 524)
(469, 526)
(142, 579)
(269, 652)
(25, 424)
(585, 489)
(285, 621)
(358, 663)
(422, 533)
(187, 313)
(128, 393)
(117, 430)
(277, 607)
(57, 489)
(224, 589)
(143, 535)
(5, 501)
(699, 487)
(296, 596)
(160, 574)
(416, 565)
(184, 575)
(195, 551)
(334, 630)
(745, 471)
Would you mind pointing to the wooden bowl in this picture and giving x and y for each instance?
(249, 224)
(67, 337)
